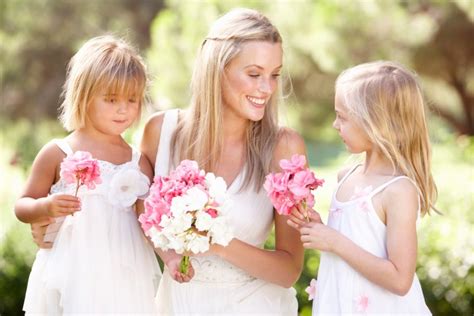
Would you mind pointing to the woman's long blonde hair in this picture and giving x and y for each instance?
(103, 62)
(199, 135)
(387, 101)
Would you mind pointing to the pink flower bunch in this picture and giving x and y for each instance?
(82, 169)
(164, 189)
(185, 211)
(292, 186)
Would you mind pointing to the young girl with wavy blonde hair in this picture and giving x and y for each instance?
(369, 245)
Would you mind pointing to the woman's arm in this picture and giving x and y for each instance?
(151, 137)
(283, 265)
(397, 271)
(35, 204)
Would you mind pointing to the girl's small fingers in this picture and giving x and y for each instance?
(292, 224)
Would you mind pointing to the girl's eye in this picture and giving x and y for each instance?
(132, 100)
(254, 75)
(276, 75)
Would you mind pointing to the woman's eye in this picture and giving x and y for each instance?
(254, 75)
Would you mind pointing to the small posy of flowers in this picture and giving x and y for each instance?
(311, 290)
(127, 186)
(82, 169)
(292, 186)
(185, 211)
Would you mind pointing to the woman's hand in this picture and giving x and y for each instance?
(38, 230)
(316, 235)
(173, 263)
(301, 216)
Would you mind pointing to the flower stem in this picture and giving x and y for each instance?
(184, 265)
(77, 187)
(305, 211)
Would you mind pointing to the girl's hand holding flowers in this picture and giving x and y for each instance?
(57, 205)
(291, 189)
(300, 217)
(315, 235)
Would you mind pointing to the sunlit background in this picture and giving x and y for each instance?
(321, 38)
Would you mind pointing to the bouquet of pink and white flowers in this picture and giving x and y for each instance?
(185, 211)
(292, 186)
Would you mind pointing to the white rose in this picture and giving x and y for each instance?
(217, 187)
(198, 244)
(126, 186)
(220, 232)
(196, 199)
(203, 221)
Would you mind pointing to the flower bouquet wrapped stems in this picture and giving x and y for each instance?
(185, 211)
(292, 186)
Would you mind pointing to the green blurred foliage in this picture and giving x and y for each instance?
(321, 38)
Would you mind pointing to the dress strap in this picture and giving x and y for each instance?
(64, 146)
(136, 154)
(386, 184)
(347, 175)
(162, 162)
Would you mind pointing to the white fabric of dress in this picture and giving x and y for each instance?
(218, 287)
(100, 262)
(341, 290)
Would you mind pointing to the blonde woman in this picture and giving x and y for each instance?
(231, 128)
(369, 246)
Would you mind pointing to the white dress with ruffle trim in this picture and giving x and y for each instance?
(100, 261)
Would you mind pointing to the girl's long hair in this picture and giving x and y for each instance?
(387, 101)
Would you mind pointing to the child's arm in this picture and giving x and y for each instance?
(35, 204)
(395, 273)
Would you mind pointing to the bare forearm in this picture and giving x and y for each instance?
(29, 210)
(378, 270)
(263, 264)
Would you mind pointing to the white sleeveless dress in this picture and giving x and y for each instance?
(340, 290)
(218, 287)
(100, 261)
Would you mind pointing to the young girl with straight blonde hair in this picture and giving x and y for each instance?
(100, 262)
(231, 128)
(369, 245)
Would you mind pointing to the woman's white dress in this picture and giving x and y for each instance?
(100, 261)
(218, 287)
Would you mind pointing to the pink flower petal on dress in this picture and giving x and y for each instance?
(363, 205)
(362, 303)
(335, 212)
(359, 192)
(311, 289)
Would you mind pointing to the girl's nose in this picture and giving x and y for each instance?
(335, 124)
(122, 107)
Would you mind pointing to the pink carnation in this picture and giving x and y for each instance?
(292, 186)
(82, 169)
